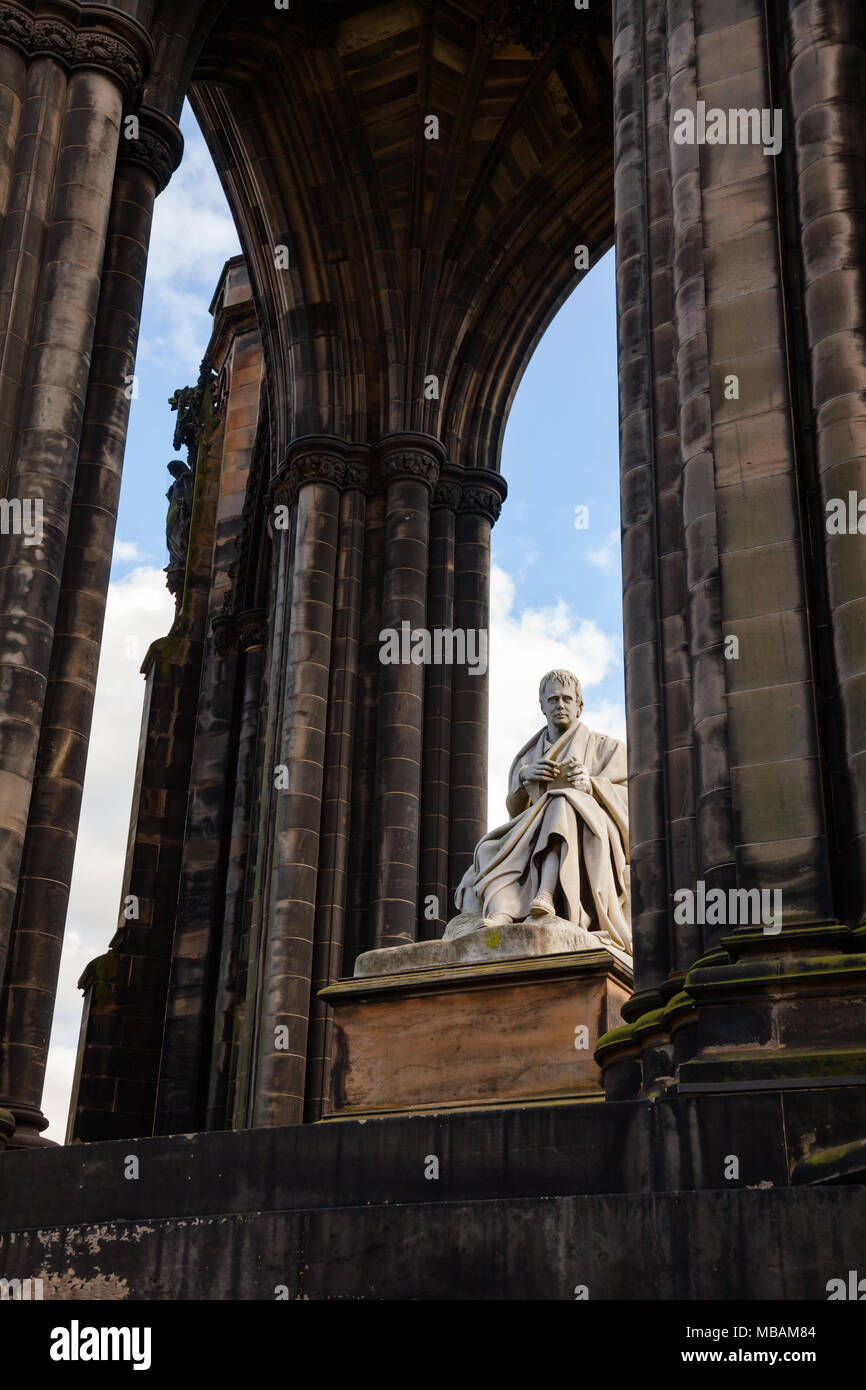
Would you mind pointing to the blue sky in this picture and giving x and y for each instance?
(555, 592)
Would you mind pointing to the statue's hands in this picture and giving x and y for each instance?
(544, 770)
(576, 775)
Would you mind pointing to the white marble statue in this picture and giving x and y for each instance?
(564, 853)
(555, 877)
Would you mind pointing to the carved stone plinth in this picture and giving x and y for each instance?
(548, 937)
(462, 1036)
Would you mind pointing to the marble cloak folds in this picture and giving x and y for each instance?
(592, 831)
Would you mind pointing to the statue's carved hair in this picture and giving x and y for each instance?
(564, 678)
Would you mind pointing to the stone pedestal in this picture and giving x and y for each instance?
(461, 1036)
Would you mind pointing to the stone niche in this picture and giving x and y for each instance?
(457, 1036)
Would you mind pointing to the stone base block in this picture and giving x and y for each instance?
(459, 1037)
(545, 936)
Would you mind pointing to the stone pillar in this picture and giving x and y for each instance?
(315, 471)
(410, 466)
(248, 632)
(481, 498)
(729, 998)
(29, 163)
(337, 786)
(436, 783)
(358, 933)
(51, 380)
(49, 848)
(273, 684)
(824, 48)
(13, 80)
(638, 42)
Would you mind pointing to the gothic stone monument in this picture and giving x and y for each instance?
(336, 496)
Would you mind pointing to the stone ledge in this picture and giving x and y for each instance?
(517, 941)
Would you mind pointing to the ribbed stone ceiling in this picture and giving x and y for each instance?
(409, 256)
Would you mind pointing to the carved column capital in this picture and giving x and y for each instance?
(358, 475)
(307, 468)
(225, 634)
(321, 459)
(113, 53)
(449, 488)
(52, 38)
(252, 630)
(483, 493)
(410, 464)
(16, 27)
(418, 457)
(119, 45)
(245, 631)
(158, 145)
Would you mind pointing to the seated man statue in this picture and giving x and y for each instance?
(564, 855)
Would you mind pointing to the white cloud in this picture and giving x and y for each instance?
(523, 645)
(126, 552)
(139, 609)
(607, 555)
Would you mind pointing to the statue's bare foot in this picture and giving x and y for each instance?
(542, 906)
(498, 919)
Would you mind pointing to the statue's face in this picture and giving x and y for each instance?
(560, 704)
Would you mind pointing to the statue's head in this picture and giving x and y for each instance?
(177, 468)
(561, 698)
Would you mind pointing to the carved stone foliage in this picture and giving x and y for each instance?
(410, 463)
(123, 52)
(446, 494)
(473, 492)
(468, 490)
(158, 145)
(187, 401)
(309, 468)
(244, 631)
(484, 500)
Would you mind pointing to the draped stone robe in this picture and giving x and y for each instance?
(589, 831)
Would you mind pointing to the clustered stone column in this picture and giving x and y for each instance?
(354, 736)
(245, 634)
(332, 885)
(311, 497)
(480, 503)
(436, 770)
(822, 88)
(77, 209)
(741, 405)
(410, 474)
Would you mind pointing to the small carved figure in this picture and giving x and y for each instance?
(179, 512)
